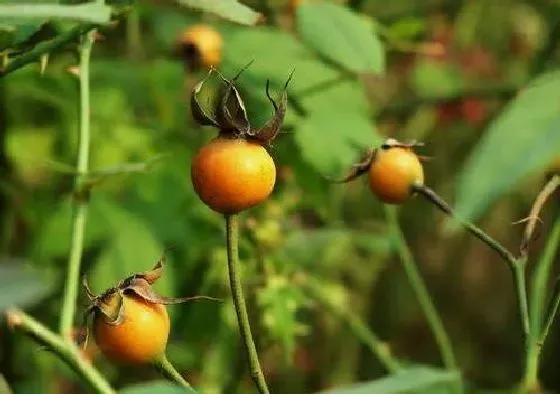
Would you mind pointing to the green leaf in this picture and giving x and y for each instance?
(132, 248)
(414, 380)
(4, 387)
(89, 12)
(341, 36)
(157, 387)
(13, 34)
(228, 9)
(19, 286)
(332, 140)
(522, 140)
(436, 79)
(275, 54)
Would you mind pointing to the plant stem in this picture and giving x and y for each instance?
(517, 266)
(538, 334)
(232, 230)
(81, 194)
(551, 314)
(356, 325)
(419, 288)
(67, 352)
(167, 369)
(46, 47)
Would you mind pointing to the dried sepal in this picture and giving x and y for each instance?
(139, 287)
(393, 143)
(231, 113)
(273, 126)
(198, 113)
(357, 169)
(111, 313)
(89, 293)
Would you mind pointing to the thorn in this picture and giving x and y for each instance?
(74, 70)
(43, 62)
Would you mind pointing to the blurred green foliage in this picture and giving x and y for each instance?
(466, 77)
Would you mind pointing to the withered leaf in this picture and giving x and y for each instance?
(112, 314)
(393, 143)
(357, 169)
(143, 290)
(231, 113)
(198, 113)
(273, 126)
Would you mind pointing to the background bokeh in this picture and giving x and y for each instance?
(447, 72)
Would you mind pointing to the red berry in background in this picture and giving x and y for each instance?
(478, 62)
(448, 112)
(474, 111)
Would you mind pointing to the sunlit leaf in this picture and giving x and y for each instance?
(414, 380)
(522, 140)
(337, 130)
(93, 12)
(157, 387)
(341, 36)
(227, 9)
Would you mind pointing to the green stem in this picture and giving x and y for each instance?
(420, 290)
(517, 266)
(134, 35)
(46, 47)
(232, 230)
(167, 369)
(519, 278)
(551, 314)
(80, 194)
(355, 324)
(538, 295)
(66, 351)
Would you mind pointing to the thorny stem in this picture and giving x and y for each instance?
(419, 288)
(517, 266)
(67, 352)
(538, 334)
(46, 47)
(232, 230)
(80, 194)
(167, 369)
(355, 324)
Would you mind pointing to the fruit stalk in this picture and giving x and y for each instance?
(232, 230)
(67, 352)
(379, 349)
(517, 266)
(167, 369)
(81, 194)
(419, 288)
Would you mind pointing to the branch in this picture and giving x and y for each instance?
(81, 194)
(435, 199)
(66, 351)
(517, 266)
(360, 329)
(46, 47)
(420, 291)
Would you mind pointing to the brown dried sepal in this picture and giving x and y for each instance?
(230, 113)
(110, 304)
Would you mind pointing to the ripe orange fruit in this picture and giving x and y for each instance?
(203, 44)
(140, 338)
(392, 173)
(233, 174)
